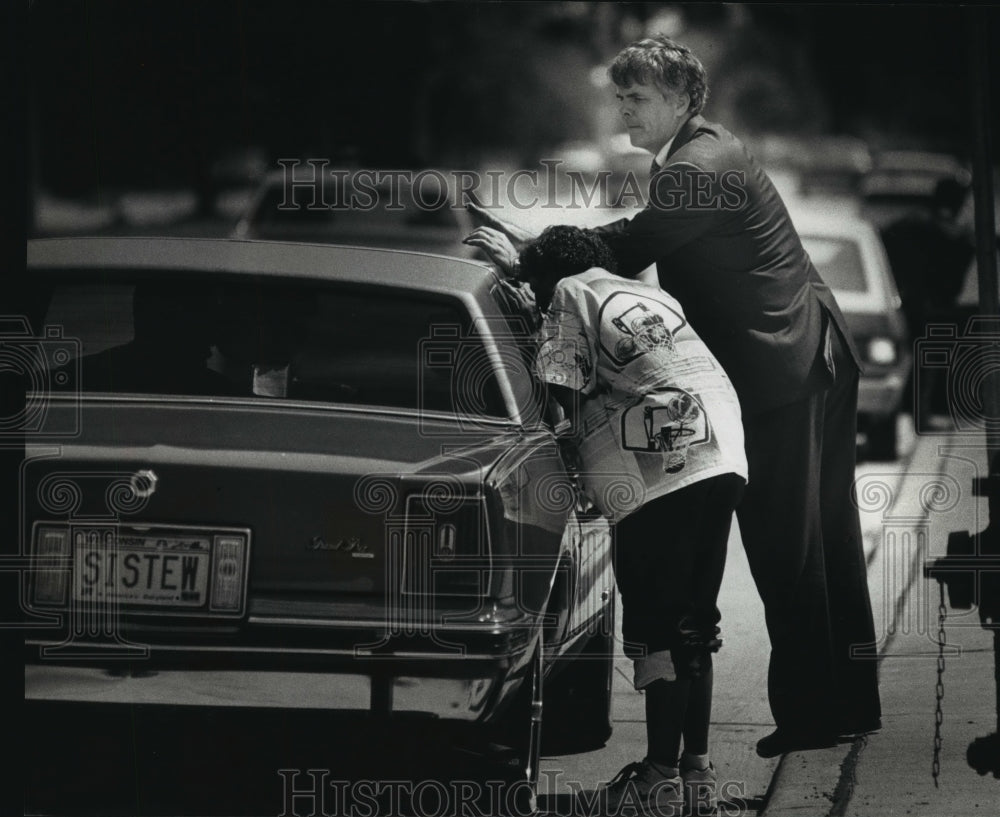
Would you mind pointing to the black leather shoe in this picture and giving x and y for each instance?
(782, 741)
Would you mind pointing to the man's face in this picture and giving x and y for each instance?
(651, 118)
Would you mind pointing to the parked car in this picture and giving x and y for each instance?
(823, 164)
(849, 256)
(901, 181)
(300, 459)
(359, 208)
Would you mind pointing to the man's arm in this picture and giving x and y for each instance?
(685, 202)
(484, 218)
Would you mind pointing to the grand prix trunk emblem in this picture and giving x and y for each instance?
(143, 483)
(352, 545)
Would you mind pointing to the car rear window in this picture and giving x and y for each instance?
(267, 338)
(838, 261)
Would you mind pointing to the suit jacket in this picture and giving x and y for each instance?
(725, 247)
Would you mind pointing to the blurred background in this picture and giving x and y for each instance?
(166, 116)
(170, 117)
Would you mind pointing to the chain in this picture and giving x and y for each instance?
(939, 689)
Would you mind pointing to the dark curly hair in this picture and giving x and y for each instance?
(664, 63)
(561, 251)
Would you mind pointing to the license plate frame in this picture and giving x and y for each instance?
(155, 557)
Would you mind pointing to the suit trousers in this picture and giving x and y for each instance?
(802, 535)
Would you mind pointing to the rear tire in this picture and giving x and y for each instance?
(521, 731)
(578, 699)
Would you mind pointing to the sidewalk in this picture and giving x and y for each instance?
(893, 772)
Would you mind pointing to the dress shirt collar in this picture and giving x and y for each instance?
(661, 158)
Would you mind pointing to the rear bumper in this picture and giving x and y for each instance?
(443, 675)
(452, 698)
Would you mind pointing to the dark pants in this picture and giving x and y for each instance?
(669, 557)
(802, 536)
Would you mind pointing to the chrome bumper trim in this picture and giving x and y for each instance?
(457, 699)
(357, 652)
(485, 628)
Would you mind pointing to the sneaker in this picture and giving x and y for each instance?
(639, 790)
(701, 797)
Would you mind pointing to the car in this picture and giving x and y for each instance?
(408, 210)
(901, 181)
(259, 460)
(822, 165)
(849, 255)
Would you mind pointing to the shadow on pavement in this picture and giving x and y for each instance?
(159, 760)
(984, 755)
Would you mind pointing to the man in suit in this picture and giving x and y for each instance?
(725, 247)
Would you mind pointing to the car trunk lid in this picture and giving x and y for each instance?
(317, 489)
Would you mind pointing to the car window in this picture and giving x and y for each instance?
(258, 337)
(838, 261)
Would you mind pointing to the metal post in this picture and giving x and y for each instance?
(978, 21)
(996, 672)
(978, 32)
(972, 557)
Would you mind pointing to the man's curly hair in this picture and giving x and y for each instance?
(664, 63)
(563, 250)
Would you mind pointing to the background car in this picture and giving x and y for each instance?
(849, 256)
(902, 180)
(359, 208)
(818, 165)
(302, 459)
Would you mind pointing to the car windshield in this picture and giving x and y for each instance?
(268, 338)
(838, 261)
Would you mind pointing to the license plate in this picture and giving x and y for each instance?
(143, 570)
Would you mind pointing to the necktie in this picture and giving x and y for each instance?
(654, 168)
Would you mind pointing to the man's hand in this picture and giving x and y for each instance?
(519, 301)
(484, 218)
(497, 246)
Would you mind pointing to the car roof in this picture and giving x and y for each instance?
(880, 294)
(304, 173)
(921, 161)
(830, 222)
(424, 271)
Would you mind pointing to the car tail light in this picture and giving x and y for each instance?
(51, 566)
(227, 573)
(445, 546)
(881, 351)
